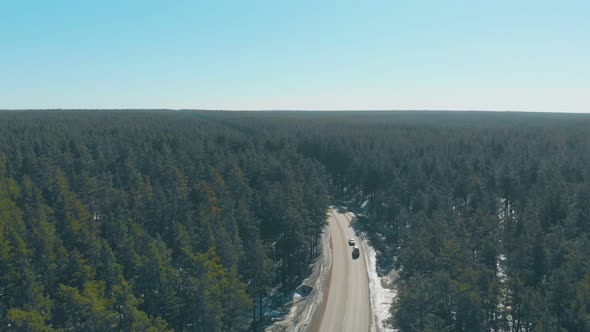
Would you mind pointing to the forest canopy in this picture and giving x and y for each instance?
(147, 220)
(183, 220)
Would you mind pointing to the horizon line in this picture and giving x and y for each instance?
(285, 110)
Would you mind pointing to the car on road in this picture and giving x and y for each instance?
(351, 242)
(355, 252)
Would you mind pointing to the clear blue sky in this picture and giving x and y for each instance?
(488, 55)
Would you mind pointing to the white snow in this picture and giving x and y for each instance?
(501, 269)
(381, 297)
(364, 205)
(351, 216)
(504, 212)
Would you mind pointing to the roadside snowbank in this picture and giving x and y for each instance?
(381, 297)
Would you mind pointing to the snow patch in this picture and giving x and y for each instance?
(505, 212)
(381, 297)
(351, 216)
(364, 205)
(501, 269)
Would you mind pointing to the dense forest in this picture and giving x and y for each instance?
(182, 220)
(148, 221)
(485, 216)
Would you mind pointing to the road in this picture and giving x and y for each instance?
(347, 307)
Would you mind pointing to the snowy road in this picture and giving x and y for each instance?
(348, 304)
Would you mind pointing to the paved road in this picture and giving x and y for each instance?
(347, 306)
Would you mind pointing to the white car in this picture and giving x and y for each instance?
(351, 242)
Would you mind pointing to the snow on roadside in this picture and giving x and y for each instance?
(381, 297)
